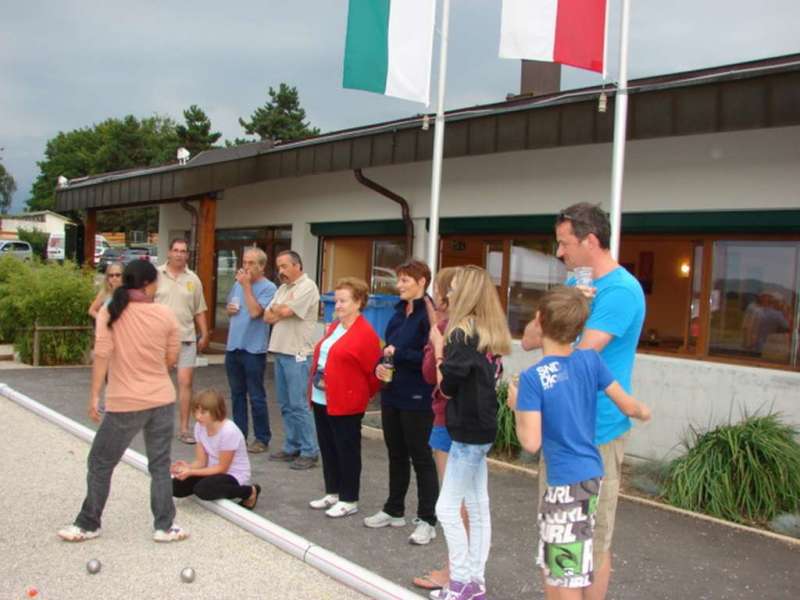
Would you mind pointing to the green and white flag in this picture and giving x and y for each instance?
(389, 47)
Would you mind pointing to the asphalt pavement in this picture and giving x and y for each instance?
(657, 554)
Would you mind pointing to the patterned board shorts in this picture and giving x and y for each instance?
(566, 527)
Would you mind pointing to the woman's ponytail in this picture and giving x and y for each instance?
(137, 275)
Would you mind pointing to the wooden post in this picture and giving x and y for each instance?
(35, 344)
(205, 251)
(89, 231)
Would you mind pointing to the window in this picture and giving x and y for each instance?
(522, 269)
(753, 301)
(372, 259)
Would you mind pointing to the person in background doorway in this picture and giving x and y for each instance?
(341, 384)
(111, 281)
(406, 414)
(181, 290)
(293, 314)
(246, 350)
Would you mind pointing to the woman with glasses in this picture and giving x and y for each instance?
(111, 281)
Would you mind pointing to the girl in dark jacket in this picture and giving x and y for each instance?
(468, 355)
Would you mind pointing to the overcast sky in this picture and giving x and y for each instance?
(69, 64)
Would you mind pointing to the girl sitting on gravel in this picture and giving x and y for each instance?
(221, 468)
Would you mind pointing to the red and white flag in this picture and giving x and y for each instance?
(570, 32)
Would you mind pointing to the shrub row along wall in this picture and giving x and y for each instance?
(50, 295)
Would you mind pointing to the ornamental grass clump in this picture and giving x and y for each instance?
(747, 472)
(506, 443)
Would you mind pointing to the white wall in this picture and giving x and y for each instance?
(725, 171)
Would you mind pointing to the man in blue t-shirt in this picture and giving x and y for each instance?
(615, 323)
(555, 407)
(246, 350)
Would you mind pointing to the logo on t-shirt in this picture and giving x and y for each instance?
(550, 374)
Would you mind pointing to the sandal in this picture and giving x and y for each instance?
(253, 505)
(431, 581)
(73, 533)
(186, 438)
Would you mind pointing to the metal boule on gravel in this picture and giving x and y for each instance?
(93, 566)
(187, 575)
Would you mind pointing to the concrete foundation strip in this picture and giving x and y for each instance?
(374, 433)
(329, 563)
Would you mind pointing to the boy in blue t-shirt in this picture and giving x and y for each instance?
(555, 406)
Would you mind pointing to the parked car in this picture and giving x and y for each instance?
(111, 255)
(56, 247)
(16, 248)
(137, 253)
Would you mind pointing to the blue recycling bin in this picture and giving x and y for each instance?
(379, 309)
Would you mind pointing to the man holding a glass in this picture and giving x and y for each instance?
(583, 235)
(246, 350)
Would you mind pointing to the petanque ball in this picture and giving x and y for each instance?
(93, 566)
(187, 575)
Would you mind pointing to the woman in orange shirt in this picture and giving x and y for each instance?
(136, 343)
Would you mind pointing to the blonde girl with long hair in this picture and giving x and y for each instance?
(469, 364)
(111, 281)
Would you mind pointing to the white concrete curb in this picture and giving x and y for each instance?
(329, 563)
(374, 433)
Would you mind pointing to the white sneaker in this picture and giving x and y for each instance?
(173, 534)
(73, 533)
(381, 519)
(324, 502)
(342, 509)
(423, 534)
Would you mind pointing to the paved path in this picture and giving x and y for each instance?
(47, 466)
(658, 555)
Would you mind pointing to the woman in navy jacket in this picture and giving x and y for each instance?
(406, 414)
(341, 383)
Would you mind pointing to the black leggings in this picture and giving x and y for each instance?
(211, 487)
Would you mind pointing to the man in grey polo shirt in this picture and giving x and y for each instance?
(293, 314)
(181, 290)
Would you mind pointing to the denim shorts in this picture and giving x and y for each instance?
(440, 438)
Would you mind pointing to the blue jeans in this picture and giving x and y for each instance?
(116, 431)
(466, 479)
(291, 384)
(246, 378)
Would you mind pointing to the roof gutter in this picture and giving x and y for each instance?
(409, 224)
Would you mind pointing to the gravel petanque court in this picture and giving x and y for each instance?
(44, 470)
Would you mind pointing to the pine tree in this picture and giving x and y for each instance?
(281, 118)
(196, 135)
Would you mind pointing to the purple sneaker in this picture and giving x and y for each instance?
(454, 590)
(478, 591)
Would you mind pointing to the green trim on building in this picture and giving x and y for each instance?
(342, 228)
(366, 54)
(744, 221)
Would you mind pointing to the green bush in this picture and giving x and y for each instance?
(506, 442)
(747, 472)
(37, 239)
(47, 294)
(10, 267)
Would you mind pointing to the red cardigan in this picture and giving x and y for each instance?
(350, 369)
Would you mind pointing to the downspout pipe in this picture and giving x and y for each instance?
(409, 224)
(186, 205)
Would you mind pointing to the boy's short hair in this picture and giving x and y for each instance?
(563, 312)
(212, 401)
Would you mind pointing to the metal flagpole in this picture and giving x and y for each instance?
(438, 146)
(620, 128)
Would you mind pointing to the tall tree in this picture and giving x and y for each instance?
(7, 188)
(196, 135)
(281, 118)
(113, 145)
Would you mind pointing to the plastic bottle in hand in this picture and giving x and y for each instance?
(388, 364)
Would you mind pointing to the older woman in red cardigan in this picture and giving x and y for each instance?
(341, 383)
